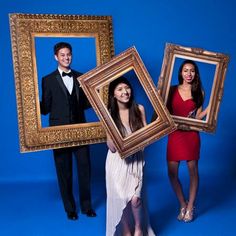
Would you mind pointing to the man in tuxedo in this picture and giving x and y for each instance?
(65, 102)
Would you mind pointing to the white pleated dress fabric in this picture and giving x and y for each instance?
(124, 179)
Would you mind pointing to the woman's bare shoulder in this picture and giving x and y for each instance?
(141, 107)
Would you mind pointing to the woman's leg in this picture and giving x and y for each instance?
(125, 221)
(194, 179)
(193, 173)
(173, 168)
(136, 205)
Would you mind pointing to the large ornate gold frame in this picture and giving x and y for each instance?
(24, 29)
(220, 60)
(101, 76)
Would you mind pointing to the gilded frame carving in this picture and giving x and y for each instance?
(24, 29)
(220, 61)
(101, 76)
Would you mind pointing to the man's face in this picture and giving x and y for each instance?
(64, 58)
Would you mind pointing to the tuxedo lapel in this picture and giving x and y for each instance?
(76, 84)
(61, 83)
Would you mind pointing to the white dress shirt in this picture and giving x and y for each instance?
(68, 81)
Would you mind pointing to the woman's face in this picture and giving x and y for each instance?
(122, 93)
(188, 73)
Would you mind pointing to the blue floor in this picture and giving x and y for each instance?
(35, 209)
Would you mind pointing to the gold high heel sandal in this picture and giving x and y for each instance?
(181, 214)
(189, 215)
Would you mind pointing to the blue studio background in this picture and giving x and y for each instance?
(29, 197)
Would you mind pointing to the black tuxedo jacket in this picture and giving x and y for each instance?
(55, 99)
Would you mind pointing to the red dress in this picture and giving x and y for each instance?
(182, 145)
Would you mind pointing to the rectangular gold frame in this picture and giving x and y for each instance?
(101, 76)
(221, 61)
(24, 27)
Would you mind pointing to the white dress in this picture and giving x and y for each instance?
(124, 179)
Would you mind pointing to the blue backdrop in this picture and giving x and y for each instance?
(148, 25)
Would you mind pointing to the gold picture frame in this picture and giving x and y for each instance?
(218, 61)
(100, 77)
(24, 29)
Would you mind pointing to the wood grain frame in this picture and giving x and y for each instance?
(220, 60)
(93, 81)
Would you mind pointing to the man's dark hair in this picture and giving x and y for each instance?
(61, 45)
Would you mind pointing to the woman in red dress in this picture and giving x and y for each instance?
(186, 100)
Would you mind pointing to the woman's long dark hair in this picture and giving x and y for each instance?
(135, 118)
(196, 89)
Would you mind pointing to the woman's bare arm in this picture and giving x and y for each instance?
(143, 116)
(202, 113)
(110, 143)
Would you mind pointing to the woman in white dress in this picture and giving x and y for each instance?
(126, 210)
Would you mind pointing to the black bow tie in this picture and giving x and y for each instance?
(66, 74)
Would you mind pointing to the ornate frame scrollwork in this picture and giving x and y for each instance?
(173, 52)
(24, 28)
(101, 76)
